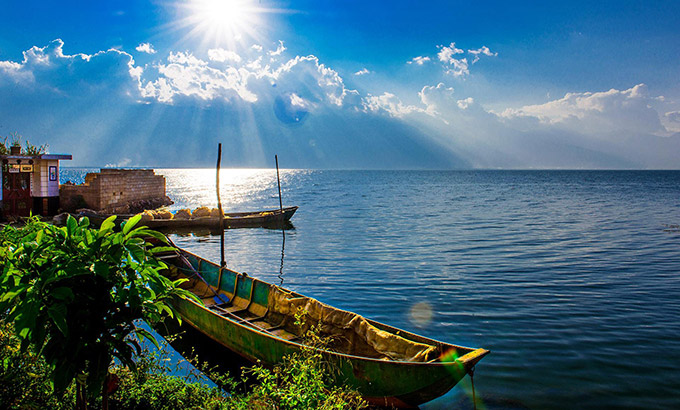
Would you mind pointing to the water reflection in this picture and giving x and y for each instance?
(240, 188)
(204, 231)
(195, 346)
(283, 248)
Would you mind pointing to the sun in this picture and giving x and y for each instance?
(217, 22)
(222, 14)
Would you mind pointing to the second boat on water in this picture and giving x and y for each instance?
(268, 218)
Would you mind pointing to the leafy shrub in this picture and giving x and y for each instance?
(34, 150)
(301, 381)
(24, 376)
(28, 149)
(73, 294)
(152, 386)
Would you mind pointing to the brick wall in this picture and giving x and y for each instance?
(112, 190)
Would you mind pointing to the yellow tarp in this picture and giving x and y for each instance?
(351, 333)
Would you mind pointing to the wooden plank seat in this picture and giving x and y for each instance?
(284, 334)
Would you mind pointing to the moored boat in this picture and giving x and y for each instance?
(255, 319)
(272, 217)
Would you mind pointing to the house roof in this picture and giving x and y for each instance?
(43, 156)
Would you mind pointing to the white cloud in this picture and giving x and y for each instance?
(420, 60)
(442, 103)
(484, 50)
(464, 104)
(146, 48)
(363, 71)
(612, 111)
(298, 101)
(222, 55)
(303, 78)
(447, 57)
(95, 96)
(671, 121)
(673, 116)
(15, 72)
(38, 58)
(186, 75)
(256, 47)
(41, 56)
(279, 50)
(320, 83)
(458, 68)
(431, 97)
(186, 59)
(50, 69)
(446, 53)
(389, 103)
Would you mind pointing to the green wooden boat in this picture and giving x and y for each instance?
(388, 366)
(269, 218)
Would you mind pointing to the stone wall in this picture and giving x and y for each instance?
(116, 191)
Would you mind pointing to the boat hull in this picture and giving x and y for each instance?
(382, 382)
(275, 218)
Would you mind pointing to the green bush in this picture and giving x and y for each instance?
(28, 149)
(151, 386)
(24, 376)
(74, 294)
(302, 381)
(69, 299)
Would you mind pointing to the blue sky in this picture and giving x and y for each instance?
(347, 84)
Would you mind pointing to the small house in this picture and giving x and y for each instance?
(30, 184)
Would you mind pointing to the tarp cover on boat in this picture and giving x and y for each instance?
(351, 333)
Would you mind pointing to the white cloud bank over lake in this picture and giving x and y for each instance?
(261, 100)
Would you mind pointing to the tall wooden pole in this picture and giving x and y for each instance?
(283, 232)
(223, 263)
(278, 179)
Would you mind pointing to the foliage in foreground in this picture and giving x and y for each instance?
(301, 382)
(74, 293)
(24, 376)
(68, 300)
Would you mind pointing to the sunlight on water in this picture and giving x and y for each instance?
(192, 188)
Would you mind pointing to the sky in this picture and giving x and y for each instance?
(345, 84)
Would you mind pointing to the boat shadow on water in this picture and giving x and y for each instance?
(207, 231)
(194, 346)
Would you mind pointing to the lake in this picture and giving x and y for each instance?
(570, 278)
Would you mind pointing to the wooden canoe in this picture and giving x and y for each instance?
(388, 366)
(272, 217)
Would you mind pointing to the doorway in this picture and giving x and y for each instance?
(16, 191)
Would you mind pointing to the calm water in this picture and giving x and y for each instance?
(570, 278)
